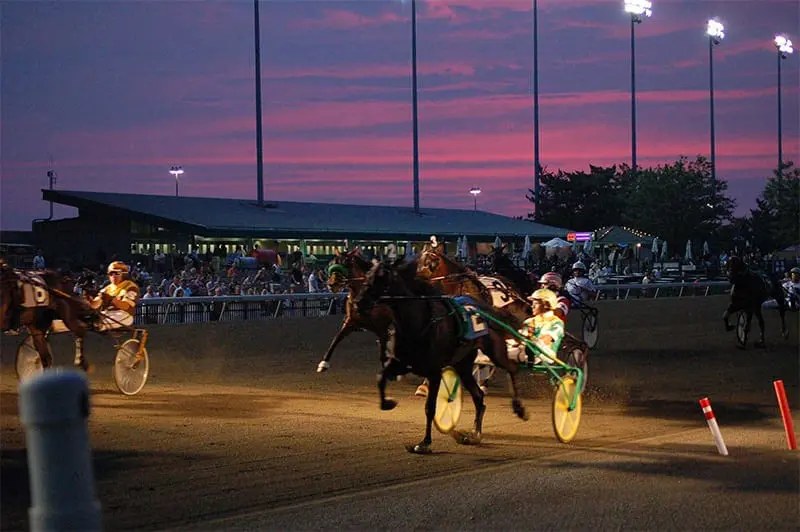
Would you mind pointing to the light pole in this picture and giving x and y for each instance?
(475, 191)
(415, 125)
(784, 46)
(259, 135)
(639, 10)
(536, 165)
(716, 32)
(176, 171)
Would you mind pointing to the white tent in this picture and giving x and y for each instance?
(557, 243)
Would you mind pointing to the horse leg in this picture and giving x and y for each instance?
(346, 329)
(390, 371)
(728, 311)
(499, 355)
(468, 381)
(424, 447)
(42, 347)
(760, 318)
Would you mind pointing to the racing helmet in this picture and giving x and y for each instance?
(551, 279)
(795, 270)
(547, 296)
(579, 266)
(118, 266)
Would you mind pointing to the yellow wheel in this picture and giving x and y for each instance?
(566, 421)
(448, 401)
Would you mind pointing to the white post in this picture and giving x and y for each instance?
(54, 409)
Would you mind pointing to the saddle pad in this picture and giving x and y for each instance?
(499, 291)
(33, 292)
(473, 325)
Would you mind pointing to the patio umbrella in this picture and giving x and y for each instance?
(706, 250)
(664, 250)
(458, 248)
(654, 250)
(688, 255)
(587, 247)
(526, 248)
(464, 247)
(497, 242)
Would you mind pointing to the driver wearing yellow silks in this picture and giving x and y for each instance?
(544, 329)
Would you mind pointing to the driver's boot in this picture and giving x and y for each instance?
(80, 361)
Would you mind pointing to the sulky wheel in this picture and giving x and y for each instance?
(28, 362)
(741, 328)
(591, 329)
(566, 421)
(448, 402)
(130, 372)
(578, 359)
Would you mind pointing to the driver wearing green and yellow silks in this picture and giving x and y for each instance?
(545, 329)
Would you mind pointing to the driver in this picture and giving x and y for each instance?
(792, 288)
(580, 288)
(544, 329)
(116, 303)
(552, 281)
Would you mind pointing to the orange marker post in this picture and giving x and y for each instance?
(783, 405)
(705, 404)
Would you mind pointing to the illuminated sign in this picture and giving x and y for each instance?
(579, 237)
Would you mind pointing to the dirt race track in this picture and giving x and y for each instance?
(235, 430)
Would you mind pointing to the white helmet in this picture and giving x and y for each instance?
(579, 266)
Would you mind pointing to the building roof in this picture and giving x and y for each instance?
(289, 219)
(615, 234)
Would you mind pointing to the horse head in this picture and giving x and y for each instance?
(735, 267)
(348, 268)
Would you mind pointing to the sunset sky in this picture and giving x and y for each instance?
(116, 92)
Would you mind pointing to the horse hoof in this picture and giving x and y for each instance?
(729, 328)
(388, 404)
(420, 448)
(323, 366)
(466, 438)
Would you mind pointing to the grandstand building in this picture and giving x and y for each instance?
(124, 225)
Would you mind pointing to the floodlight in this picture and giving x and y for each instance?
(715, 30)
(783, 45)
(475, 191)
(638, 9)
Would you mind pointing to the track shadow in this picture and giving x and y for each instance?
(108, 465)
(726, 413)
(743, 471)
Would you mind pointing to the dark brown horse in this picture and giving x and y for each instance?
(749, 290)
(429, 337)
(349, 270)
(33, 300)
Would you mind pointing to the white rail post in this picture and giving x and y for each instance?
(54, 408)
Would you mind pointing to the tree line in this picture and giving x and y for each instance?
(677, 202)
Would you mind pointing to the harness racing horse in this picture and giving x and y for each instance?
(350, 270)
(500, 264)
(34, 300)
(749, 290)
(432, 333)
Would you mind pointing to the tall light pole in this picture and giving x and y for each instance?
(176, 171)
(475, 191)
(638, 10)
(415, 124)
(259, 135)
(536, 165)
(716, 32)
(784, 46)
